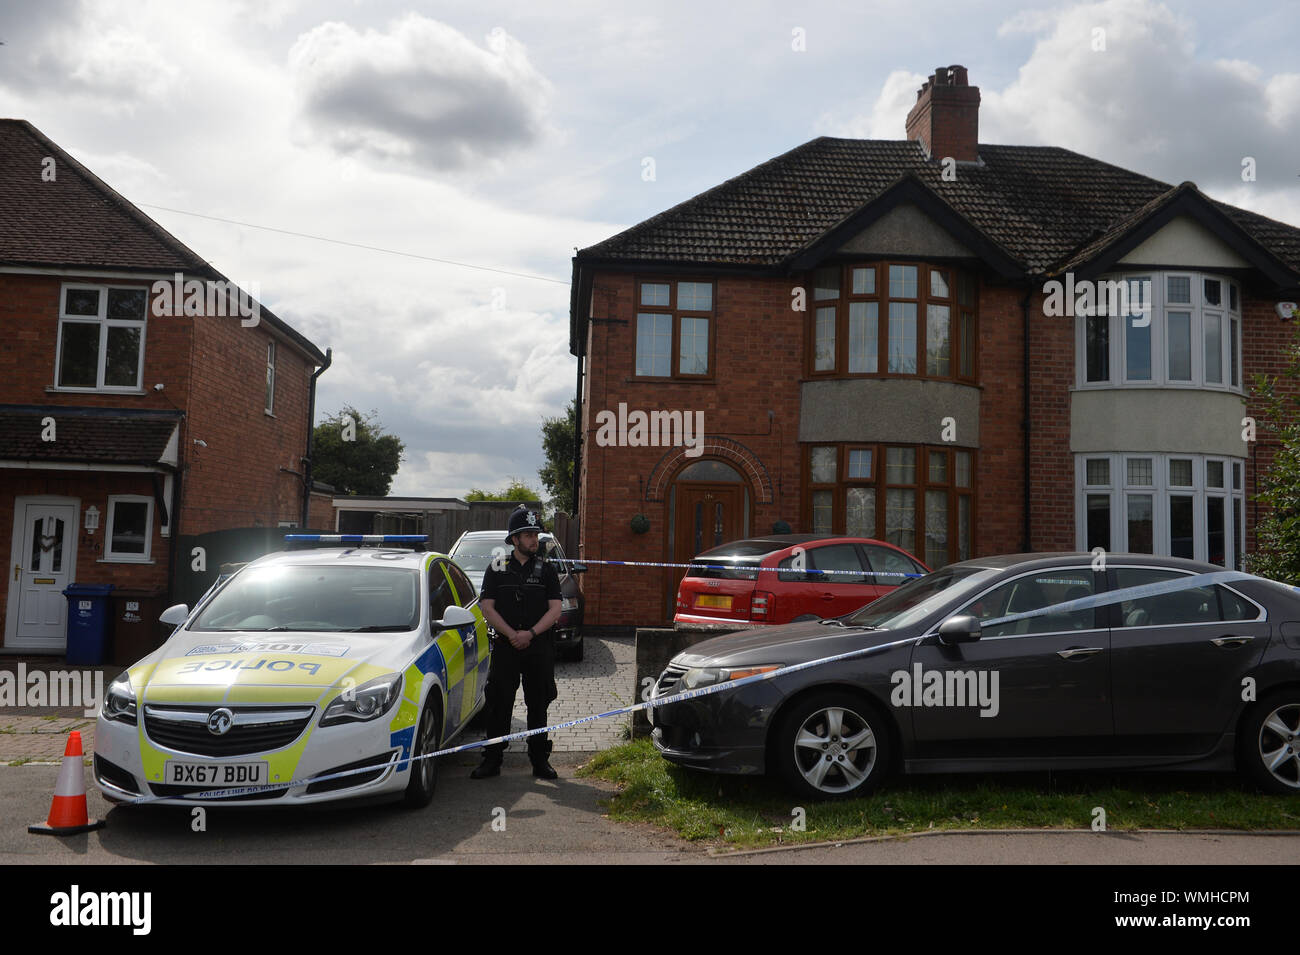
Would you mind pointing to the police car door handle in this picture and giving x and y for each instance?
(1078, 653)
(1231, 641)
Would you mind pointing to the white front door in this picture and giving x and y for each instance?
(42, 564)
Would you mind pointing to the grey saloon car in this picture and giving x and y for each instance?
(1019, 662)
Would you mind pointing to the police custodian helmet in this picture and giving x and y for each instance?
(523, 519)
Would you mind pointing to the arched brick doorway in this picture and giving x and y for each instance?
(708, 503)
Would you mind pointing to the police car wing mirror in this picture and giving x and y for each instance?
(452, 618)
(577, 568)
(960, 629)
(175, 615)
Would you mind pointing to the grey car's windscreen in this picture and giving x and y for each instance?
(316, 598)
(919, 598)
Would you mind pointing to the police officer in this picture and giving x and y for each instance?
(521, 600)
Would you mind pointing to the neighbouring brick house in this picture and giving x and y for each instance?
(926, 393)
(116, 414)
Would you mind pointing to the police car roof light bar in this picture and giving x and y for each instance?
(299, 541)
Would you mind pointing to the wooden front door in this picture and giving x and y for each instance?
(707, 515)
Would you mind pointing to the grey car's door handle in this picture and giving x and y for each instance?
(1231, 641)
(1077, 653)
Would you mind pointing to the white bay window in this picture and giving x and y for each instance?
(1176, 505)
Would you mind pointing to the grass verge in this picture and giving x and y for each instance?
(752, 812)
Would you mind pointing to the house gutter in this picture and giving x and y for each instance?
(311, 418)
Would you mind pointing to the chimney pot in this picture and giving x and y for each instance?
(945, 117)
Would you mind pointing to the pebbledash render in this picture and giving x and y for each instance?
(865, 328)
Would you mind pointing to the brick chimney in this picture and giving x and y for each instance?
(946, 117)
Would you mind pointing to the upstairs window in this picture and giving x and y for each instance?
(1180, 329)
(892, 318)
(674, 329)
(101, 338)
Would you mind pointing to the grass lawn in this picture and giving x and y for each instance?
(751, 812)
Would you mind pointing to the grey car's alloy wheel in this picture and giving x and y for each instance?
(1272, 743)
(832, 745)
(424, 774)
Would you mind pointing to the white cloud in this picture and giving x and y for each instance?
(421, 92)
(887, 117)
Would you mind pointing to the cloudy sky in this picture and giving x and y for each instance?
(503, 136)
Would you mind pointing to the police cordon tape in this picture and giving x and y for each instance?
(1138, 592)
(696, 565)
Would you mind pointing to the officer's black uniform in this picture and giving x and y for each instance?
(522, 595)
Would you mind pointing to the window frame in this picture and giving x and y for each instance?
(104, 323)
(881, 297)
(110, 516)
(1230, 334)
(880, 482)
(676, 315)
(1161, 491)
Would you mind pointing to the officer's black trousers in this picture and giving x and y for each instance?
(535, 665)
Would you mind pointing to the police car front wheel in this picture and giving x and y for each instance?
(424, 772)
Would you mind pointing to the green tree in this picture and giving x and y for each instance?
(1277, 534)
(351, 451)
(516, 490)
(557, 445)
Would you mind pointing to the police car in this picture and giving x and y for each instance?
(328, 658)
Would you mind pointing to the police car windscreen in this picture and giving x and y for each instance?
(316, 598)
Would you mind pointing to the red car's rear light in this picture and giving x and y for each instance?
(762, 603)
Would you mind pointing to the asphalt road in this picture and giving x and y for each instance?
(541, 820)
(544, 822)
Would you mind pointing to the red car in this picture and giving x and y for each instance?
(782, 578)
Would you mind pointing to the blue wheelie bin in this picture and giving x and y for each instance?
(87, 623)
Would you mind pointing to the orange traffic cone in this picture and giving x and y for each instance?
(68, 814)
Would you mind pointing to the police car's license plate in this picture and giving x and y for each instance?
(215, 774)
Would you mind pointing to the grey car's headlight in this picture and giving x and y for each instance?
(697, 677)
(119, 701)
(568, 603)
(368, 701)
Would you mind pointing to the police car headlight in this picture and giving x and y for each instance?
(119, 701)
(369, 701)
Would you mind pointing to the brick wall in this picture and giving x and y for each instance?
(29, 315)
(759, 356)
(236, 480)
(1051, 376)
(999, 509)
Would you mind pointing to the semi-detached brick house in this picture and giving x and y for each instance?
(152, 424)
(925, 395)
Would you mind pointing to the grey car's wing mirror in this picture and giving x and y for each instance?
(175, 615)
(960, 629)
(577, 568)
(452, 618)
